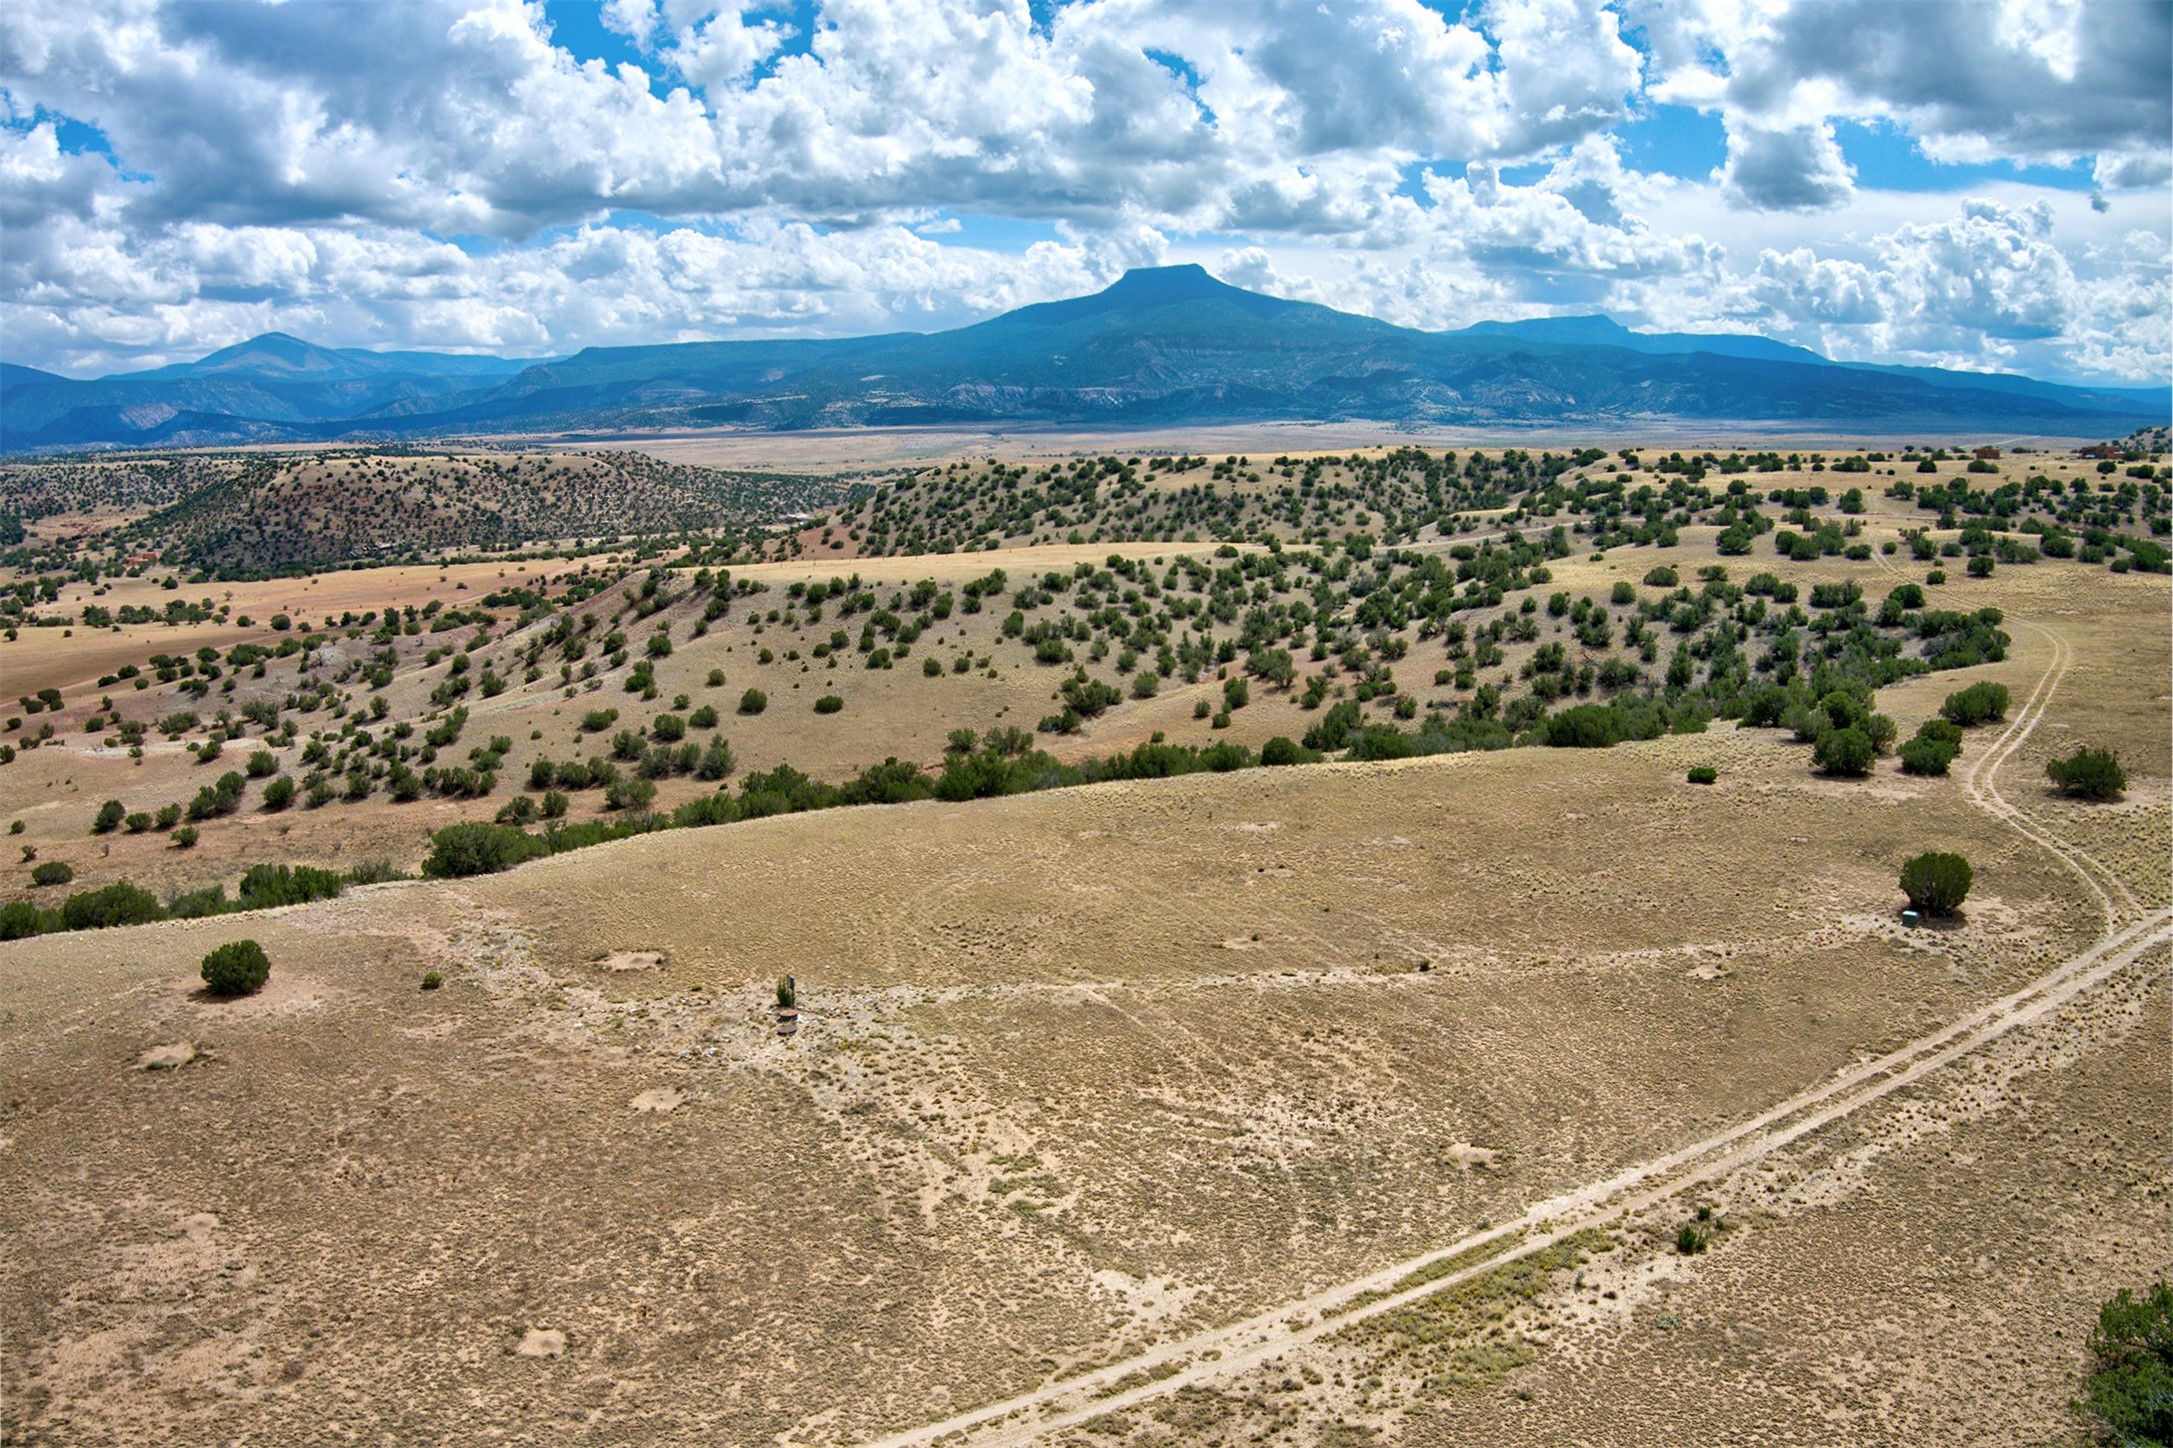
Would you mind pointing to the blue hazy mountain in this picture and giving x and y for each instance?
(277, 357)
(1602, 331)
(1161, 346)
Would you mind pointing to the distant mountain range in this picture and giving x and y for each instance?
(1163, 345)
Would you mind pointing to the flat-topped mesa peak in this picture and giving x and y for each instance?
(1149, 285)
(1148, 290)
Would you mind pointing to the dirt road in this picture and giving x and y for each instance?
(2130, 934)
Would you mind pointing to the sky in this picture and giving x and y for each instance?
(1985, 184)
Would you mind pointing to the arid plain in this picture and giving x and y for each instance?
(1340, 1103)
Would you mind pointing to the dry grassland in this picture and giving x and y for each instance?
(1082, 1072)
(1081, 1075)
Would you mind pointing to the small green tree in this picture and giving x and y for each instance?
(110, 815)
(1946, 732)
(18, 920)
(2131, 1386)
(478, 848)
(2089, 774)
(1980, 703)
(237, 968)
(53, 872)
(754, 701)
(1848, 753)
(1936, 883)
(1925, 755)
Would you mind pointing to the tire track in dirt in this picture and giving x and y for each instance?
(1219, 1352)
(1980, 783)
(1248, 1343)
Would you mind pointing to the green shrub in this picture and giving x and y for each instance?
(1945, 731)
(668, 728)
(1980, 703)
(1280, 751)
(186, 837)
(1846, 710)
(476, 848)
(1382, 741)
(18, 920)
(265, 886)
(2089, 774)
(279, 793)
(1936, 883)
(754, 701)
(1704, 774)
(829, 704)
(237, 968)
(1587, 726)
(117, 904)
(432, 980)
(1847, 753)
(196, 904)
(53, 872)
(1662, 576)
(1925, 755)
(2130, 1393)
(110, 815)
(703, 718)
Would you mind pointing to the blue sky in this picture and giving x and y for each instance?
(532, 178)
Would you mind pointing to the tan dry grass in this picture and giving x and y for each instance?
(1031, 1058)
